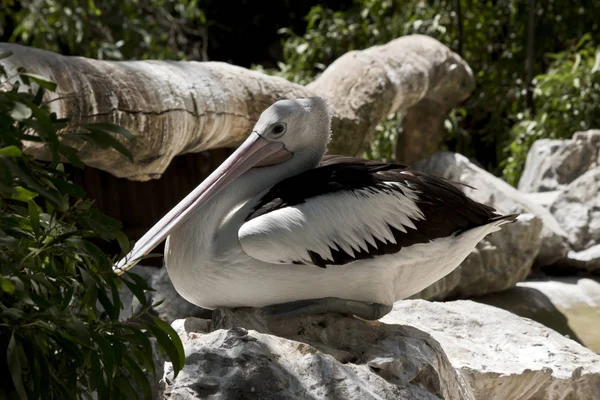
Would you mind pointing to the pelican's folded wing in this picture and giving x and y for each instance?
(349, 209)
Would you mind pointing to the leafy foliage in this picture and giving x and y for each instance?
(491, 36)
(60, 332)
(567, 99)
(330, 34)
(110, 29)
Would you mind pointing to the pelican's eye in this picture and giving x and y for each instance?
(278, 129)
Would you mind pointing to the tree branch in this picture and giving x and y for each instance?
(181, 107)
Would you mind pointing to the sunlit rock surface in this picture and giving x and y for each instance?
(552, 164)
(421, 350)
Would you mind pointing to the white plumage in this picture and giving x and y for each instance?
(337, 220)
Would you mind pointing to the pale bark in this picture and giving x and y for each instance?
(422, 126)
(180, 107)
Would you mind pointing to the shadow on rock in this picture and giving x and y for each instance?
(533, 304)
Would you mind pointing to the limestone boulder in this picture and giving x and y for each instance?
(578, 300)
(568, 305)
(421, 350)
(587, 260)
(503, 356)
(242, 355)
(499, 261)
(577, 209)
(529, 302)
(488, 189)
(552, 164)
(544, 199)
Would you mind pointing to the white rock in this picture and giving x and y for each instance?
(421, 350)
(569, 292)
(551, 164)
(493, 191)
(498, 263)
(531, 303)
(577, 209)
(586, 260)
(578, 301)
(544, 199)
(504, 356)
(323, 357)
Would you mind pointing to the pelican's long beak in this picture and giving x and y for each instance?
(255, 151)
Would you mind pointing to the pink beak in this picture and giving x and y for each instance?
(254, 152)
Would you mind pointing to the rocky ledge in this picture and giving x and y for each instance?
(421, 350)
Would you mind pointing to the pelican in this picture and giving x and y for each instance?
(281, 227)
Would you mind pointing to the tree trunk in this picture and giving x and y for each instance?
(187, 107)
(529, 60)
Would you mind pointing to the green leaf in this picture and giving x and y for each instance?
(6, 177)
(11, 151)
(6, 285)
(123, 240)
(34, 217)
(88, 250)
(137, 291)
(108, 356)
(71, 154)
(106, 303)
(20, 112)
(69, 345)
(139, 281)
(44, 370)
(116, 299)
(127, 391)
(77, 326)
(97, 377)
(139, 377)
(67, 296)
(12, 313)
(136, 336)
(13, 359)
(39, 96)
(103, 126)
(52, 195)
(40, 80)
(173, 347)
(117, 346)
(67, 187)
(32, 369)
(22, 194)
(102, 140)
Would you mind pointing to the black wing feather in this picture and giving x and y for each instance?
(447, 210)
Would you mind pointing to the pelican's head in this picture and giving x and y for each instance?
(298, 124)
(287, 128)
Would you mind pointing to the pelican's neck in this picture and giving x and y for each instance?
(196, 237)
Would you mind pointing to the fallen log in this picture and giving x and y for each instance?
(179, 107)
